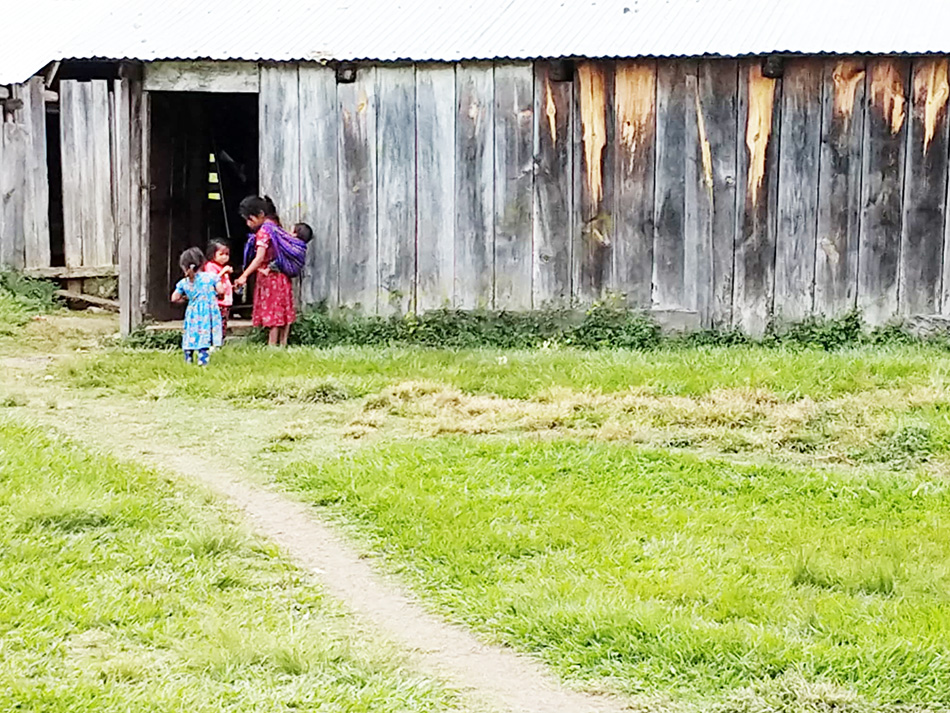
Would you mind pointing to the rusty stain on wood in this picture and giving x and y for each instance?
(704, 146)
(758, 126)
(594, 124)
(846, 76)
(635, 95)
(931, 81)
(550, 109)
(887, 93)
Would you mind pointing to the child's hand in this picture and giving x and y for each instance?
(226, 270)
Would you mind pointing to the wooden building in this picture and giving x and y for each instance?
(735, 189)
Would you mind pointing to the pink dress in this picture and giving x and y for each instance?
(273, 293)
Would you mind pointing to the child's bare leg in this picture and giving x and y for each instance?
(272, 336)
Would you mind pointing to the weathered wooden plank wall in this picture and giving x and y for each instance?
(14, 146)
(553, 195)
(357, 173)
(882, 188)
(514, 186)
(675, 164)
(696, 185)
(666, 182)
(474, 185)
(279, 137)
(759, 121)
(636, 122)
(435, 186)
(36, 212)
(717, 107)
(925, 190)
(396, 188)
(797, 234)
(839, 187)
(319, 187)
(86, 136)
(595, 167)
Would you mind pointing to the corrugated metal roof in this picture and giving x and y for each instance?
(279, 30)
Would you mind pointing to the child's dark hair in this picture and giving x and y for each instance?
(214, 245)
(191, 259)
(304, 232)
(256, 205)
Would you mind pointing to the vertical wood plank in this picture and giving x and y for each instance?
(925, 190)
(474, 186)
(882, 188)
(6, 250)
(592, 253)
(514, 185)
(799, 156)
(319, 183)
(140, 142)
(123, 185)
(358, 246)
(13, 205)
(435, 185)
(673, 154)
(36, 219)
(99, 242)
(635, 107)
(85, 148)
(553, 195)
(72, 135)
(396, 187)
(759, 116)
(280, 138)
(717, 113)
(839, 187)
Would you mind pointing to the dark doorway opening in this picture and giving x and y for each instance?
(203, 160)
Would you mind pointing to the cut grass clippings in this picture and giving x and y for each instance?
(122, 591)
(665, 574)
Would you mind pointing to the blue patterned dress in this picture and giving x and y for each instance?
(203, 317)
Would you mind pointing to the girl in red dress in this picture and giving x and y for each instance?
(273, 293)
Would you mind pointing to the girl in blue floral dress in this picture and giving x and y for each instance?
(202, 329)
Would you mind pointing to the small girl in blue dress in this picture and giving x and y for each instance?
(202, 329)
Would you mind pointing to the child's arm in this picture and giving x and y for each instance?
(178, 297)
(255, 263)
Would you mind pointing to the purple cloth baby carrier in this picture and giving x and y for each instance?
(290, 252)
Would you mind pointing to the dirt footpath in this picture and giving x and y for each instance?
(486, 675)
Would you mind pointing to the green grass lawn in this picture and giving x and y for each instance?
(252, 372)
(662, 573)
(592, 507)
(123, 591)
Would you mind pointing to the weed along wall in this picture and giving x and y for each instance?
(733, 191)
